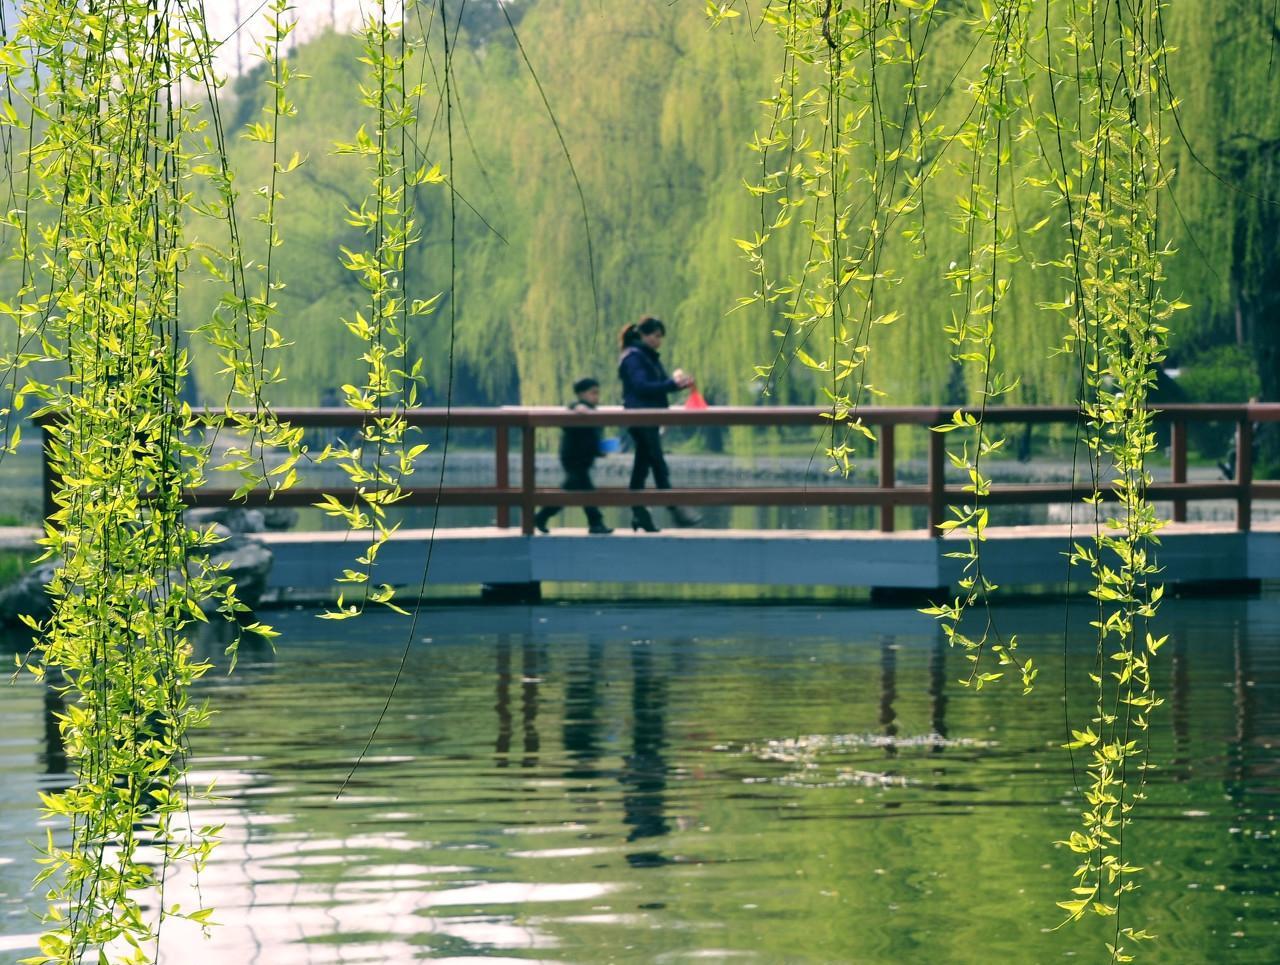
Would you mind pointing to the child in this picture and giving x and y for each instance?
(579, 447)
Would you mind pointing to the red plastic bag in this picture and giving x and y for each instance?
(695, 400)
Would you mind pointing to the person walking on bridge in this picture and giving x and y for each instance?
(646, 385)
(579, 447)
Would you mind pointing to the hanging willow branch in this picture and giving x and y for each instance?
(112, 167)
(382, 459)
(1117, 316)
(851, 152)
(119, 162)
(841, 169)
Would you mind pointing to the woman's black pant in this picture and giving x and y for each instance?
(649, 458)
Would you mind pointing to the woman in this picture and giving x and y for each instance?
(646, 385)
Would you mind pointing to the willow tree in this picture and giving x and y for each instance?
(116, 140)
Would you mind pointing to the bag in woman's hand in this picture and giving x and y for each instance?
(695, 400)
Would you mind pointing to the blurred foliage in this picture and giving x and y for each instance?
(657, 110)
(1222, 373)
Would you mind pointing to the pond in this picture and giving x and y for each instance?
(651, 783)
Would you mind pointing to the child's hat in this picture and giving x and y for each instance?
(584, 385)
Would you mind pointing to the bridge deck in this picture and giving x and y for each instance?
(1021, 555)
(1014, 556)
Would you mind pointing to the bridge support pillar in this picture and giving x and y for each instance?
(511, 592)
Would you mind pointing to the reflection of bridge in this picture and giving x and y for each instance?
(888, 558)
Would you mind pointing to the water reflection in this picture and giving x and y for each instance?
(1240, 748)
(578, 756)
(54, 754)
(581, 730)
(532, 654)
(938, 692)
(502, 704)
(532, 658)
(888, 693)
(644, 771)
(1179, 707)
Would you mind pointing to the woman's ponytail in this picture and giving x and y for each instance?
(630, 334)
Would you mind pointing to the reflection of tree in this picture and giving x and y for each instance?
(644, 773)
(582, 713)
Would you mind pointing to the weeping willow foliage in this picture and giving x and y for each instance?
(1224, 206)
(1071, 100)
(109, 143)
(391, 380)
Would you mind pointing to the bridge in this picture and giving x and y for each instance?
(509, 559)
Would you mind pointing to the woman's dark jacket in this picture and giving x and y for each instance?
(645, 383)
(579, 445)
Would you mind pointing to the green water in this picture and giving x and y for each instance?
(714, 783)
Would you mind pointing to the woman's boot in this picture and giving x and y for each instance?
(683, 518)
(641, 520)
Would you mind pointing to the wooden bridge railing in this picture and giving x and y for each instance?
(887, 494)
